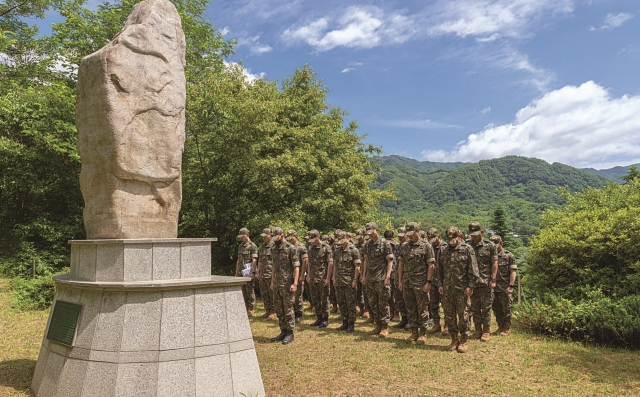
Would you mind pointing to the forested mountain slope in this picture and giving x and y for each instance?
(441, 194)
(612, 173)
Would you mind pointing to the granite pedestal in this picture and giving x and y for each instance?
(153, 322)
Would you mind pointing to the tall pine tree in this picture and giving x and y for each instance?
(500, 225)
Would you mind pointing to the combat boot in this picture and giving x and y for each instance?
(464, 343)
(324, 323)
(288, 338)
(408, 326)
(422, 336)
(394, 316)
(413, 337)
(485, 333)
(506, 329)
(249, 312)
(478, 333)
(344, 326)
(361, 311)
(298, 317)
(402, 323)
(454, 342)
(317, 322)
(272, 315)
(350, 327)
(436, 328)
(280, 337)
(266, 313)
(376, 330)
(445, 331)
(497, 332)
(384, 330)
(365, 314)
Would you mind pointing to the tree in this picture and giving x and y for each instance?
(500, 225)
(634, 173)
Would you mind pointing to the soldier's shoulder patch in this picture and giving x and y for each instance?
(289, 244)
(464, 244)
(487, 241)
(352, 246)
(324, 244)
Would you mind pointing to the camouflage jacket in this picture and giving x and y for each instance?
(319, 259)
(506, 264)
(302, 251)
(457, 268)
(246, 253)
(416, 259)
(378, 254)
(264, 261)
(396, 255)
(346, 262)
(361, 248)
(285, 259)
(486, 253)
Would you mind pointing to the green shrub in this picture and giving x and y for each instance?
(597, 318)
(32, 293)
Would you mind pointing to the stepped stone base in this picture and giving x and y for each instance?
(178, 337)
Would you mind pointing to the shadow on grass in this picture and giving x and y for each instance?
(17, 374)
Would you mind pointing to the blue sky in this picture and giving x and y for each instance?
(461, 80)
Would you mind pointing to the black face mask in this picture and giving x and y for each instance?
(278, 242)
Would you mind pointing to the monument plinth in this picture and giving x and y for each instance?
(139, 314)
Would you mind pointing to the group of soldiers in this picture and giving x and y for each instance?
(376, 277)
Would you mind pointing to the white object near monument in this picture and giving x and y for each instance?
(139, 314)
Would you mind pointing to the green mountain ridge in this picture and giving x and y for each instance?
(612, 173)
(443, 194)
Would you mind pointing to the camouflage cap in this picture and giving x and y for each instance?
(335, 234)
(291, 233)
(422, 234)
(432, 233)
(496, 239)
(359, 232)
(242, 232)
(311, 234)
(341, 236)
(349, 235)
(452, 234)
(401, 231)
(276, 232)
(371, 226)
(265, 232)
(475, 228)
(411, 228)
(325, 237)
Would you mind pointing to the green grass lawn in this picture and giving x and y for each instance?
(330, 363)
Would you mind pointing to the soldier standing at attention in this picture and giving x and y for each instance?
(415, 271)
(434, 296)
(335, 246)
(345, 277)
(247, 253)
(265, 270)
(482, 299)
(318, 277)
(286, 271)
(301, 249)
(503, 293)
(393, 314)
(456, 278)
(361, 299)
(378, 262)
(397, 291)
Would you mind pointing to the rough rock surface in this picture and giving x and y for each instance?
(131, 97)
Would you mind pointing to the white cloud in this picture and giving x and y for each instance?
(351, 66)
(486, 110)
(613, 21)
(254, 45)
(249, 77)
(224, 31)
(581, 126)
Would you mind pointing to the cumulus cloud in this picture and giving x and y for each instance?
(582, 126)
(254, 45)
(249, 77)
(613, 21)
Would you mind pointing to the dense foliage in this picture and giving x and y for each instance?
(584, 267)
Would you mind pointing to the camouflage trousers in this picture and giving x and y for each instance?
(266, 293)
(397, 302)
(283, 301)
(249, 294)
(298, 303)
(332, 294)
(434, 305)
(456, 312)
(346, 297)
(417, 302)
(361, 297)
(502, 305)
(319, 298)
(378, 296)
(481, 301)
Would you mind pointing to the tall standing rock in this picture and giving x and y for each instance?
(131, 98)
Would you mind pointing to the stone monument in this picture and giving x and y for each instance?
(139, 314)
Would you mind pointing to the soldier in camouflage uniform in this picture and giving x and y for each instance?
(434, 296)
(298, 305)
(503, 293)
(247, 253)
(456, 277)
(415, 270)
(363, 303)
(397, 283)
(346, 272)
(377, 267)
(482, 299)
(388, 235)
(318, 277)
(335, 246)
(265, 270)
(284, 283)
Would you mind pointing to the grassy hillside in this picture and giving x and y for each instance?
(442, 194)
